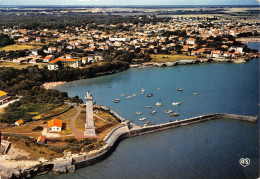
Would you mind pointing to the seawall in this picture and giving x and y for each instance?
(120, 133)
(137, 130)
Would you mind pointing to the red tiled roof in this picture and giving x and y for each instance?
(63, 59)
(55, 122)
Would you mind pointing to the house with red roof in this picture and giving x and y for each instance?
(41, 140)
(54, 125)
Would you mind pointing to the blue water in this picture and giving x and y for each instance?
(205, 150)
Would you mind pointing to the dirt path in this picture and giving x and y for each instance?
(76, 132)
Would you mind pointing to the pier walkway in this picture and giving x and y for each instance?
(114, 134)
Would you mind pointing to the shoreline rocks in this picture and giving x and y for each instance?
(188, 62)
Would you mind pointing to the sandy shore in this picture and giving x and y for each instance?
(50, 85)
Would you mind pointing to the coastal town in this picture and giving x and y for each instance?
(215, 38)
(43, 129)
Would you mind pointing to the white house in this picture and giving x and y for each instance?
(237, 49)
(53, 66)
(55, 125)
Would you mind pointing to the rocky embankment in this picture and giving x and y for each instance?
(188, 62)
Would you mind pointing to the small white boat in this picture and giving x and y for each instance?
(148, 106)
(168, 111)
(158, 104)
(138, 113)
(195, 93)
(179, 89)
(142, 91)
(128, 97)
(153, 112)
(142, 119)
(117, 100)
(176, 103)
(122, 94)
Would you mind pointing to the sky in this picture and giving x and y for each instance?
(129, 2)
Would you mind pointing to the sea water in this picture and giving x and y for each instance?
(205, 150)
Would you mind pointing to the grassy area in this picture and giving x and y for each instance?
(25, 128)
(171, 58)
(19, 65)
(81, 121)
(33, 151)
(18, 47)
(67, 130)
(69, 113)
(61, 112)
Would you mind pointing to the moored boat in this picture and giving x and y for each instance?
(148, 106)
(158, 104)
(195, 93)
(142, 119)
(128, 97)
(142, 91)
(168, 111)
(153, 112)
(149, 95)
(122, 94)
(179, 89)
(117, 100)
(174, 114)
(176, 103)
(138, 113)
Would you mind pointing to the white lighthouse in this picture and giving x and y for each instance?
(89, 126)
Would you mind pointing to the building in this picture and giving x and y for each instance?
(237, 49)
(113, 39)
(19, 122)
(38, 39)
(4, 97)
(34, 51)
(55, 125)
(54, 64)
(41, 140)
(48, 58)
(89, 126)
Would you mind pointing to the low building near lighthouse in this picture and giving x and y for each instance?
(55, 125)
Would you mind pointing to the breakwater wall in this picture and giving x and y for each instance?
(135, 131)
(122, 132)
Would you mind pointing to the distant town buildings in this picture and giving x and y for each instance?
(190, 36)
